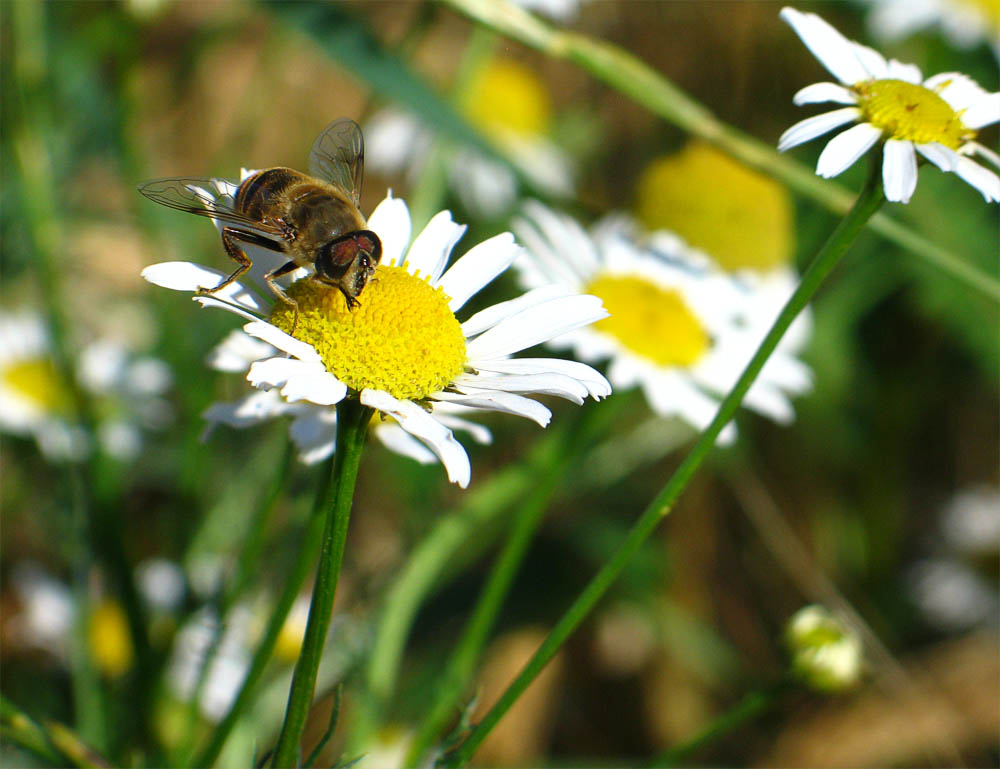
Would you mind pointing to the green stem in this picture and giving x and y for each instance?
(636, 79)
(548, 480)
(745, 710)
(352, 425)
(868, 201)
(311, 541)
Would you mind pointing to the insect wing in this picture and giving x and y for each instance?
(198, 196)
(338, 157)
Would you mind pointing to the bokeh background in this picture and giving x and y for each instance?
(881, 496)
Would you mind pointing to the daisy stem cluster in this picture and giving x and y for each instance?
(548, 479)
(636, 79)
(352, 426)
(826, 259)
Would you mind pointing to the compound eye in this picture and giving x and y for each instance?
(335, 257)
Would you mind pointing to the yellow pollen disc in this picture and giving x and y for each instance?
(738, 216)
(653, 322)
(37, 381)
(911, 112)
(508, 97)
(403, 339)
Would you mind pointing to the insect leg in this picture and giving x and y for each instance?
(279, 292)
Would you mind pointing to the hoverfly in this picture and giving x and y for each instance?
(314, 219)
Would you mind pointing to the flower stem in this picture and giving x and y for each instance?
(352, 426)
(629, 75)
(311, 540)
(547, 481)
(751, 706)
(866, 204)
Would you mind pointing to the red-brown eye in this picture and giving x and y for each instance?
(344, 252)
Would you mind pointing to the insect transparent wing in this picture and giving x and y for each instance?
(197, 196)
(338, 157)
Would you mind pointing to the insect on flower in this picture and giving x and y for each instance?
(314, 219)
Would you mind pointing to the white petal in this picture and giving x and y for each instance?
(576, 254)
(908, 73)
(508, 403)
(770, 402)
(541, 384)
(298, 380)
(984, 112)
(984, 180)
(430, 250)
(237, 351)
(975, 148)
(960, 91)
(211, 301)
(943, 157)
(391, 222)
(536, 325)
(314, 433)
(822, 92)
(477, 432)
(422, 425)
(593, 380)
(250, 410)
(872, 62)
(182, 276)
(844, 149)
(396, 439)
(899, 170)
(284, 342)
(477, 267)
(834, 51)
(490, 316)
(817, 125)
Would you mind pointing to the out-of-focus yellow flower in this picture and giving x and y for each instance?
(293, 632)
(740, 217)
(507, 97)
(110, 644)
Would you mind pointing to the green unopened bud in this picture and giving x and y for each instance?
(826, 655)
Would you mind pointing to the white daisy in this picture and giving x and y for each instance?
(964, 23)
(403, 352)
(35, 400)
(891, 103)
(509, 104)
(680, 328)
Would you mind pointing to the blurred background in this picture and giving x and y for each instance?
(881, 497)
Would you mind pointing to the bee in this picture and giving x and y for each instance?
(314, 220)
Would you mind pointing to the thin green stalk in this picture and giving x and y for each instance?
(50, 741)
(868, 201)
(250, 552)
(352, 425)
(423, 571)
(634, 78)
(548, 480)
(311, 541)
(745, 710)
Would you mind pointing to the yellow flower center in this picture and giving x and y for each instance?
(912, 112)
(507, 97)
(738, 216)
(653, 322)
(403, 339)
(38, 381)
(110, 644)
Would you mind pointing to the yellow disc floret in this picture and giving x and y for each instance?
(740, 217)
(651, 321)
(508, 97)
(911, 112)
(403, 339)
(38, 381)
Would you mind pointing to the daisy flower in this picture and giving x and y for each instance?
(35, 400)
(964, 23)
(891, 103)
(679, 328)
(510, 105)
(403, 352)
